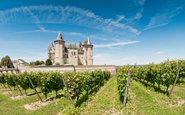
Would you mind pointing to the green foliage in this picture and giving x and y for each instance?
(2, 79)
(74, 84)
(77, 84)
(56, 82)
(84, 83)
(45, 85)
(6, 61)
(36, 63)
(121, 81)
(24, 81)
(48, 62)
(11, 79)
(156, 75)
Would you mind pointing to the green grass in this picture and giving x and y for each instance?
(106, 101)
(145, 101)
(16, 107)
(142, 101)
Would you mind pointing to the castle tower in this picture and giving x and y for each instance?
(59, 50)
(88, 52)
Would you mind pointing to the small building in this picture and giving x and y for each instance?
(73, 54)
(20, 63)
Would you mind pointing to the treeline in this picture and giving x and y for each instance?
(159, 76)
(7, 62)
(76, 85)
(40, 62)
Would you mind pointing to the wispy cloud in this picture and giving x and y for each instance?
(151, 26)
(142, 2)
(54, 32)
(159, 53)
(120, 18)
(38, 30)
(64, 15)
(115, 44)
(139, 14)
(162, 19)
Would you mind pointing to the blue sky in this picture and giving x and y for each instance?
(122, 31)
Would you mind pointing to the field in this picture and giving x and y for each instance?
(142, 100)
(152, 89)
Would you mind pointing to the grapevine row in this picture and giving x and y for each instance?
(76, 84)
(122, 77)
(159, 76)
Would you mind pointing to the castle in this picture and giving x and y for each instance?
(74, 54)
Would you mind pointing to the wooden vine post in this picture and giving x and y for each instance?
(177, 77)
(10, 88)
(126, 89)
(67, 91)
(35, 89)
(16, 83)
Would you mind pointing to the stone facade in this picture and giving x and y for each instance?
(73, 54)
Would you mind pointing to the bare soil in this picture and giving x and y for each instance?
(17, 97)
(177, 103)
(36, 105)
(5, 93)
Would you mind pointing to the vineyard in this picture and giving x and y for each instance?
(75, 85)
(147, 89)
(161, 76)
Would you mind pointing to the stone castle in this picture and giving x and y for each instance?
(73, 54)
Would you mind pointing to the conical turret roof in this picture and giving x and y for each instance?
(87, 41)
(59, 37)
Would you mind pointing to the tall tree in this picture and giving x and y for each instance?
(48, 62)
(6, 62)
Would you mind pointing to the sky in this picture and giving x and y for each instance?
(122, 31)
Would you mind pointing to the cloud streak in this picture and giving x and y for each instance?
(142, 2)
(64, 15)
(139, 14)
(159, 53)
(115, 44)
(162, 19)
(54, 32)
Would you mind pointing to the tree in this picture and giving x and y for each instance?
(48, 62)
(37, 62)
(6, 61)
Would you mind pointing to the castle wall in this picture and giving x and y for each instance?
(52, 57)
(80, 59)
(59, 53)
(89, 56)
(85, 56)
(70, 68)
(73, 56)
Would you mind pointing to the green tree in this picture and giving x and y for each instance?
(48, 62)
(6, 61)
(37, 62)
